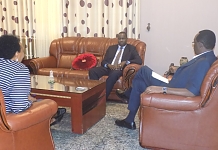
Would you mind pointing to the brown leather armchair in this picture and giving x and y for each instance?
(178, 122)
(28, 130)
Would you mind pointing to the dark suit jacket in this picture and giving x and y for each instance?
(130, 54)
(191, 74)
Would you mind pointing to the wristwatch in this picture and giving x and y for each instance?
(164, 89)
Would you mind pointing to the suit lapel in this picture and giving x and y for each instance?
(125, 52)
(114, 51)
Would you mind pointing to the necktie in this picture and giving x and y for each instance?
(118, 57)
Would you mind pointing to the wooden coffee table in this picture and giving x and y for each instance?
(86, 98)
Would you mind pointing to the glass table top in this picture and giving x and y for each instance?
(76, 85)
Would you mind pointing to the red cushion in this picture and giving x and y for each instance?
(84, 61)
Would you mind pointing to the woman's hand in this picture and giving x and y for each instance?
(33, 99)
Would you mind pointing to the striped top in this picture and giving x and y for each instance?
(15, 85)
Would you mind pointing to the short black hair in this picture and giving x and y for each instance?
(207, 38)
(123, 33)
(9, 45)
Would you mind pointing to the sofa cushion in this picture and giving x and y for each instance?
(65, 61)
(84, 61)
(57, 72)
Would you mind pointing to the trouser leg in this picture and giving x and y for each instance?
(97, 72)
(113, 76)
(141, 81)
(128, 92)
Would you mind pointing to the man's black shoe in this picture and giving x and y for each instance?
(58, 116)
(123, 123)
(121, 94)
(60, 112)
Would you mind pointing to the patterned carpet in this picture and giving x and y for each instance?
(102, 136)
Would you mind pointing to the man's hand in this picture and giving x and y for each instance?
(112, 67)
(121, 65)
(153, 89)
(118, 67)
(33, 99)
(174, 91)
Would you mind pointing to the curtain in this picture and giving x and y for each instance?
(38, 22)
(18, 18)
(48, 24)
(100, 18)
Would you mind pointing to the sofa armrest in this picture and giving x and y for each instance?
(44, 62)
(129, 73)
(38, 112)
(171, 102)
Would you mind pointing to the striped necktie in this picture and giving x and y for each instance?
(118, 57)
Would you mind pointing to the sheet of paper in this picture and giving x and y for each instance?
(159, 77)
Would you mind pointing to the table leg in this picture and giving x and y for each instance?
(76, 115)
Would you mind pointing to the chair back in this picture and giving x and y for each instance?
(6, 135)
(209, 82)
(3, 123)
(29, 129)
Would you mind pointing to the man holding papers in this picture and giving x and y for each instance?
(186, 81)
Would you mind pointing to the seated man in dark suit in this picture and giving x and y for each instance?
(186, 81)
(115, 59)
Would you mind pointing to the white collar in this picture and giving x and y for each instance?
(200, 54)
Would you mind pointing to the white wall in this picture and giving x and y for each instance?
(174, 23)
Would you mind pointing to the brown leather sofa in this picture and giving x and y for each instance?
(178, 122)
(64, 50)
(28, 130)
